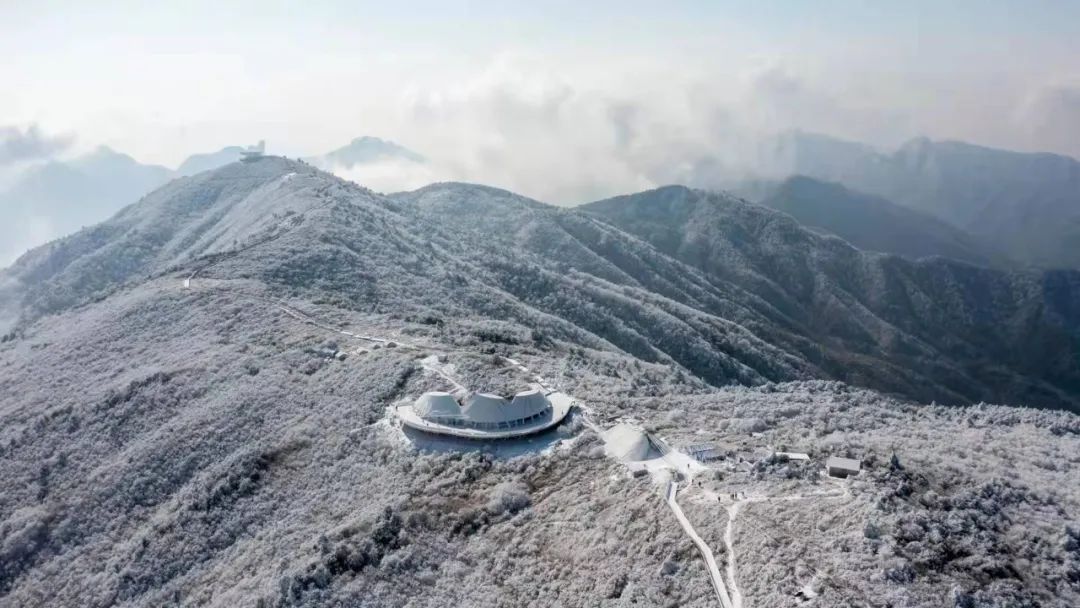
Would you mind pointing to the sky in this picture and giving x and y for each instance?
(563, 101)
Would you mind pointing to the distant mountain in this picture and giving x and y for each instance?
(60, 197)
(872, 223)
(364, 150)
(197, 163)
(1028, 205)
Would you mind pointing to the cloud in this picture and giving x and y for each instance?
(390, 174)
(29, 144)
(521, 125)
(1051, 116)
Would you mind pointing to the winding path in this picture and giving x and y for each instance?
(733, 514)
(710, 561)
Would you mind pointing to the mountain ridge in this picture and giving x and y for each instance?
(872, 223)
(725, 289)
(1027, 204)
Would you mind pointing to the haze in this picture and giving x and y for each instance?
(565, 103)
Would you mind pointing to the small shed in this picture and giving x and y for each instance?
(842, 467)
(793, 456)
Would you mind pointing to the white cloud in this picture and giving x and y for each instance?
(560, 137)
(391, 175)
(1050, 117)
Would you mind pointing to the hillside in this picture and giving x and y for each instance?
(877, 320)
(194, 398)
(1027, 205)
(727, 290)
(872, 223)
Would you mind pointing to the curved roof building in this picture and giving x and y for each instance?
(484, 415)
(437, 405)
(483, 409)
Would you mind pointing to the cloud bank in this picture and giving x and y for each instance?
(28, 144)
(524, 126)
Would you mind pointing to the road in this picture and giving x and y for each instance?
(733, 514)
(703, 547)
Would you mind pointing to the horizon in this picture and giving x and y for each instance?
(563, 103)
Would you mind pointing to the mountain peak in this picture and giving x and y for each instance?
(365, 149)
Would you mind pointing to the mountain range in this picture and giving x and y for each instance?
(873, 223)
(364, 150)
(1025, 206)
(194, 400)
(985, 206)
(727, 290)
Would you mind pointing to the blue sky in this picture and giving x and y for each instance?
(475, 80)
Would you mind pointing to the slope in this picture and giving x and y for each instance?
(1027, 205)
(979, 332)
(726, 291)
(197, 444)
(871, 223)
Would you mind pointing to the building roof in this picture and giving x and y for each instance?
(527, 404)
(798, 455)
(626, 442)
(437, 403)
(560, 405)
(482, 410)
(844, 464)
(485, 407)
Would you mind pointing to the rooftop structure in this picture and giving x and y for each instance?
(486, 416)
(842, 467)
(704, 452)
(797, 456)
(253, 152)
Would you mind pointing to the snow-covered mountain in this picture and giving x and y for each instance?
(194, 396)
(60, 197)
(728, 290)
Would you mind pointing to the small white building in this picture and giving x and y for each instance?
(842, 467)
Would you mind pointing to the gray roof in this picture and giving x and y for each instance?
(847, 464)
(437, 404)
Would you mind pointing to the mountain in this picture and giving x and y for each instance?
(727, 290)
(1027, 205)
(879, 320)
(364, 150)
(197, 163)
(60, 197)
(872, 223)
(194, 403)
